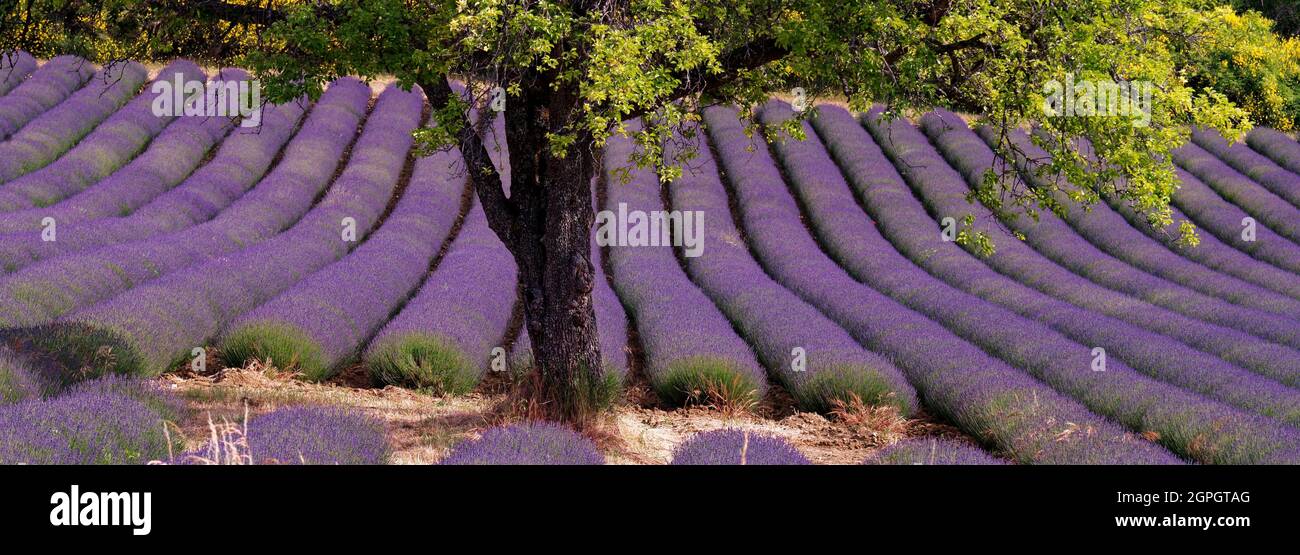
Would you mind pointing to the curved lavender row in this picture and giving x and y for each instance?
(942, 187)
(987, 398)
(1211, 251)
(1057, 241)
(323, 320)
(52, 133)
(902, 220)
(43, 292)
(165, 319)
(15, 66)
(49, 85)
(198, 215)
(774, 320)
(443, 338)
(1187, 424)
(1282, 150)
(1254, 165)
(689, 344)
(731, 446)
(1224, 220)
(929, 451)
(1270, 209)
(100, 153)
(1109, 231)
(170, 158)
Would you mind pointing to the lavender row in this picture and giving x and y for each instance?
(732, 446)
(984, 396)
(1281, 149)
(830, 366)
(902, 221)
(1110, 232)
(931, 451)
(197, 218)
(1198, 429)
(526, 444)
(323, 320)
(943, 191)
(164, 320)
(18, 381)
(53, 83)
(15, 66)
(112, 144)
(43, 292)
(689, 344)
(1270, 209)
(443, 338)
(1256, 166)
(170, 158)
(1057, 241)
(52, 133)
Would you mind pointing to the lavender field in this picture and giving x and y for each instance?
(180, 289)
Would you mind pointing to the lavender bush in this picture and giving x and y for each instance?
(49, 290)
(1254, 165)
(736, 447)
(170, 158)
(1270, 209)
(981, 394)
(49, 85)
(1106, 229)
(101, 152)
(164, 319)
(931, 451)
(18, 382)
(540, 443)
(52, 133)
(690, 346)
(324, 319)
(83, 427)
(1054, 239)
(773, 319)
(1120, 392)
(943, 189)
(15, 66)
(316, 435)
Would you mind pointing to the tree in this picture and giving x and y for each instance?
(573, 70)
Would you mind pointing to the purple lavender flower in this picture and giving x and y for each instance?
(833, 366)
(115, 142)
(84, 427)
(171, 157)
(931, 451)
(985, 397)
(52, 133)
(1270, 209)
(736, 447)
(690, 346)
(317, 435)
(526, 444)
(49, 85)
(53, 288)
(324, 319)
(1266, 172)
(166, 318)
(15, 66)
(165, 403)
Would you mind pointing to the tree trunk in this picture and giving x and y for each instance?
(546, 224)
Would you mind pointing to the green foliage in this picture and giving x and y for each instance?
(664, 59)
